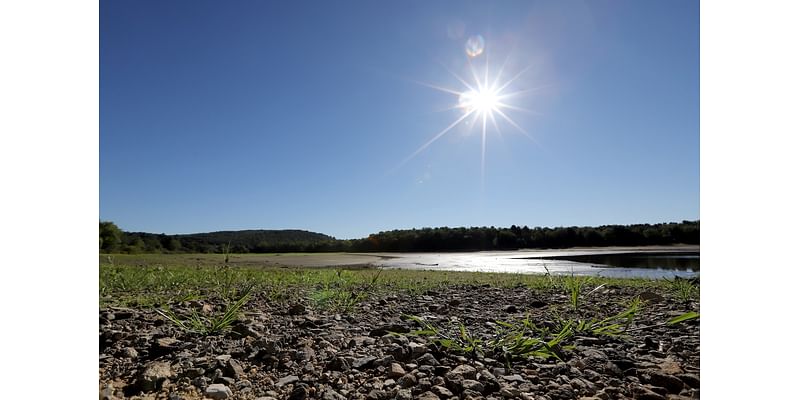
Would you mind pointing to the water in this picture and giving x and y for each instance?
(647, 262)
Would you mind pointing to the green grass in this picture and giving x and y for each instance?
(684, 290)
(154, 280)
(208, 325)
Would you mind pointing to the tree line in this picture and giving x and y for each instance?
(115, 240)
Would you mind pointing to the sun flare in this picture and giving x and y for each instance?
(482, 100)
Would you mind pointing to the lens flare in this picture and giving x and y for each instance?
(475, 45)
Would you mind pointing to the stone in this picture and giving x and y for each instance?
(509, 392)
(396, 370)
(234, 369)
(153, 375)
(427, 359)
(428, 396)
(407, 381)
(287, 380)
(416, 349)
(364, 362)
(385, 329)
(693, 381)
(651, 296)
(299, 393)
(642, 393)
(669, 382)
(403, 394)
(469, 384)
(129, 352)
(107, 393)
(218, 391)
(225, 380)
(376, 394)
(463, 371)
(163, 346)
(297, 309)
(330, 394)
(513, 378)
(468, 394)
(338, 364)
(442, 392)
(510, 308)
(670, 366)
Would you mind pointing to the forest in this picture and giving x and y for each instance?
(115, 240)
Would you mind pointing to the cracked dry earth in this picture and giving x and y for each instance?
(291, 350)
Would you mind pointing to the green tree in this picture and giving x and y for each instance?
(110, 237)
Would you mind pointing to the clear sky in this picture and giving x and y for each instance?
(305, 115)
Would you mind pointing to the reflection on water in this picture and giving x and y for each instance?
(670, 261)
(653, 263)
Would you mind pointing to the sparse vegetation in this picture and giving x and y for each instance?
(213, 324)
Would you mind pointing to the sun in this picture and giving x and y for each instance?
(482, 100)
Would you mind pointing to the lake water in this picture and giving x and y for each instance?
(618, 262)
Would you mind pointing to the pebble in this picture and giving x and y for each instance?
(153, 375)
(218, 391)
(396, 370)
(428, 396)
(287, 380)
(441, 391)
(407, 381)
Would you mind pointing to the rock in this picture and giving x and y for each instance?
(297, 309)
(107, 393)
(395, 371)
(442, 392)
(671, 383)
(330, 394)
(416, 349)
(471, 395)
(287, 380)
(164, 346)
(510, 308)
(218, 391)
(651, 296)
(407, 381)
(509, 392)
(463, 371)
(364, 362)
(153, 375)
(245, 330)
(469, 384)
(234, 369)
(403, 394)
(428, 396)
(513, 378)
(225, 380)
(299, 393)
(693, 381)
(642, 393)
(385, 329)
(670, 366)
(129, 352)
(376, 394)
(427, 359)
(338, 364)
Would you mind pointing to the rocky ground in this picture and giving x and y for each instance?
(293, 349)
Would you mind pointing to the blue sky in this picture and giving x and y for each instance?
(277, 115)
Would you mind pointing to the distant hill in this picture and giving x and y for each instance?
(247, 241)
(255, 239)
(114, 240)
